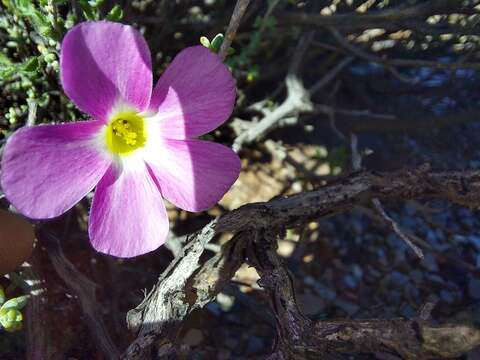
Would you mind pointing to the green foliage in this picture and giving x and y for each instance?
(10, 315)
(213, 45)
(264, 27)
(217, 42)
(37, 18)
(2, 295)
(9, 69)
(91, 10)
(115, 14)
(30, 36)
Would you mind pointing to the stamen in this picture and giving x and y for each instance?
(125, 133)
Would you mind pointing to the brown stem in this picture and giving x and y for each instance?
(237, 15)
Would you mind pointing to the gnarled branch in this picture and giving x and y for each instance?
(188, 284)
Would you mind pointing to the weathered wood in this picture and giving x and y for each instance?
(390, 19)
(183, 287)
(462, 188)
(298, 337)
(188, 284)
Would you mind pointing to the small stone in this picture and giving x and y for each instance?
(193, 337)
(430, 263)
(357, 271)
(460, 239)
(399, 278)
(311, 304)
(417, 276)
(408, 312)
(225, 301)
(254, 345)
(436, 278)
(475, 241)
(474, 288)
(374, 272)
(431, 236)
(410, 208)
(327, 293)
(231, 342)
(347, 306)
(224, 354)
(350, 281)
(447, 296)
(394, 296)
(214, 308)
(285, 248)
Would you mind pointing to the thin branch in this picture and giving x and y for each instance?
(462, 188)
(394, 226)
(32, 113)
(237, 15)
(356, 156)
(331, 75)
(389, 19)
(297, 100)
(407, 62)
(369, 57)
(365, 121)
(357, 165)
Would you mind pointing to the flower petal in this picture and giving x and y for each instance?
(105, 64)
(128, 216)
(46, 169)
(194, 95)
(193, 174)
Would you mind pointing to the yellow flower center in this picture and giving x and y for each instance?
(125, 133)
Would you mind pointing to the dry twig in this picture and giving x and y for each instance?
(297, 100)
(394, 226)
(237, 15)
(389, 19)
(183, 287)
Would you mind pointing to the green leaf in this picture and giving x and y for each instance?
(50, 57)
(2, 295)
(204, 41)
(115, 14)
(89, 12)
(31, 65)
(11, 319)
(11, 70)
(217, 42)
(4, 60)
(15, 303)
(26, 9)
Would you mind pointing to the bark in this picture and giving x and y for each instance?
(188, 284)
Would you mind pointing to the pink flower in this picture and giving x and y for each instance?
(139, 146)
